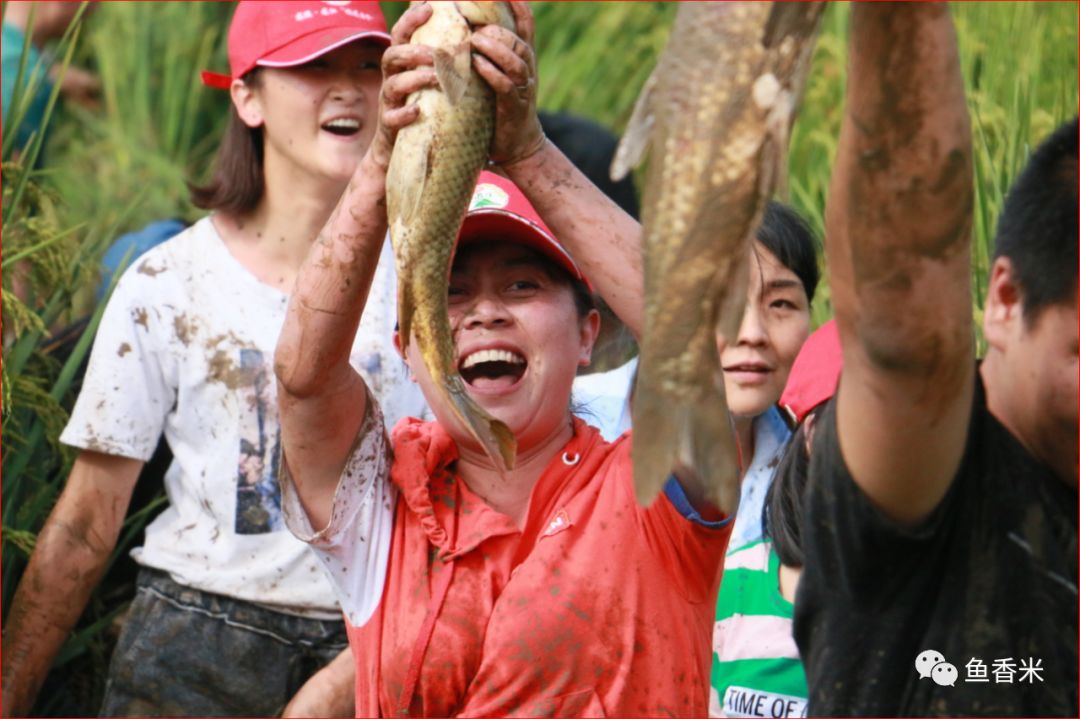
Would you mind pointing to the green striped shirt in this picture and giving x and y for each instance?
(756, 671)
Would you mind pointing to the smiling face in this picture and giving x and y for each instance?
(775, 324)
(519, 337)
(317, 118)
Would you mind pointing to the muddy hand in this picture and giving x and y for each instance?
(507, 62)
(406, 68)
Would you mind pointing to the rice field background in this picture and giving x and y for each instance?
(106, 172)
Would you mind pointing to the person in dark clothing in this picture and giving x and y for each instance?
(940, 533)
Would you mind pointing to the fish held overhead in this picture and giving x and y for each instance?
(433, 169)
(716, 113)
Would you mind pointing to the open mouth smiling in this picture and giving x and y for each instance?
(492, 369)
(342, 126)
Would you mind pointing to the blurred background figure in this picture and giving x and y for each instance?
(40, 23)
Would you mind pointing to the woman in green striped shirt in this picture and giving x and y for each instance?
(756, 667)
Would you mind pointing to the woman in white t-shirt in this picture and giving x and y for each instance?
(232, 614)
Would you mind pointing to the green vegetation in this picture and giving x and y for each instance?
(106, 172)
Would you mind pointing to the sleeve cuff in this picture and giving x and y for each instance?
(677, 496)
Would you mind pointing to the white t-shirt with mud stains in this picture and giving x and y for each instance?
(186, 347)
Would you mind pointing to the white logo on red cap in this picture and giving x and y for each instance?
(487, 195)
(303, 15)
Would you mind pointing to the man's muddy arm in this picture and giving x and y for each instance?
(897, 239)
(71, 554)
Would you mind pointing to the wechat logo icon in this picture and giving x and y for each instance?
(931, 664)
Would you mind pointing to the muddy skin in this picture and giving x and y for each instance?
(899, 177)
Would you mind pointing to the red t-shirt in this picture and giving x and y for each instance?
(597, 607)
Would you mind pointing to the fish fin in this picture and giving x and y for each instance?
(494, 436)
(697, 434)
(452, 69)
(775, 152)
(635, 141)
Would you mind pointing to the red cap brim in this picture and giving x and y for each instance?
(493, 223)
(316, 44)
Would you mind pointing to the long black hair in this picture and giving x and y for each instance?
(782, 513)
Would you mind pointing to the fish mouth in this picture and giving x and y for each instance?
(344, 126)
(492, 369)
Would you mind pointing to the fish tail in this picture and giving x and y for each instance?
(697, 434)
(494, 436)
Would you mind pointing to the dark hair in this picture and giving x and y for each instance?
(785, 234)
(782, 513)
(1037, 228)
(237, 184)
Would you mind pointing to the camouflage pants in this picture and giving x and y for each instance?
(184, 652)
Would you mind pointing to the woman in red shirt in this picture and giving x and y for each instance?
(546, 592)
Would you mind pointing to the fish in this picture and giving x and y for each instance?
(433, 169)
(714, 118)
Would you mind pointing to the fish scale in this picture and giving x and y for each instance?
(430, 180)
(716, 110)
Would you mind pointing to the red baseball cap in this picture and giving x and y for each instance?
(280, 33)
(499, 210)
(814, 373)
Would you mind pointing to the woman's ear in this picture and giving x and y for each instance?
(590, 330)
(246, 102)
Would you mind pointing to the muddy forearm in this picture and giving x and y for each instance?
(605, 241)
(899, 215)
(66, 566)
(332, 287)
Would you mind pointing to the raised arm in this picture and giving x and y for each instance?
(322, 400)
(897, 236)
(604, 240)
